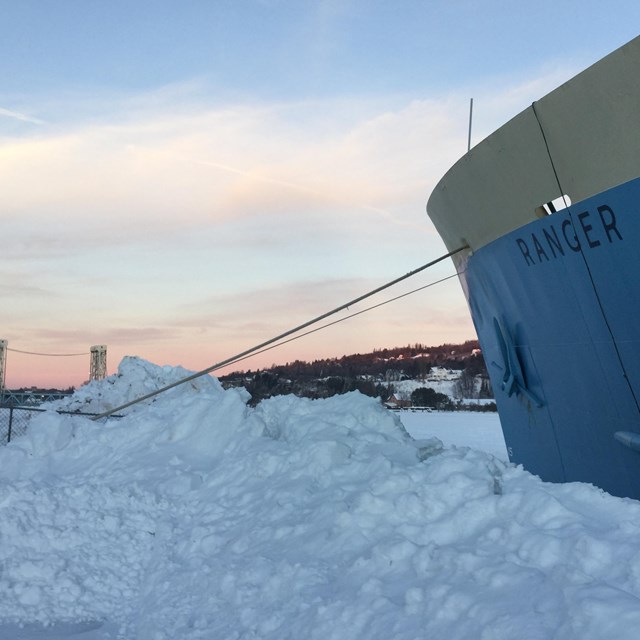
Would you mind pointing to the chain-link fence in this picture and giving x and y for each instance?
(14, 421)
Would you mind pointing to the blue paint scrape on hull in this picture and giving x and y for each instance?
(556, 305)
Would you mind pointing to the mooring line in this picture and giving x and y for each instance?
(262, 345)
(351, 315)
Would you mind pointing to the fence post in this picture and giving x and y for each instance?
(10, 423)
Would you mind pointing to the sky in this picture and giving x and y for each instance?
(183, 180)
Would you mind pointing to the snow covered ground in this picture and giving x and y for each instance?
(479, 431)
(404, 388)
(197, 518)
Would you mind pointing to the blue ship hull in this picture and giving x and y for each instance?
(556, 298)
(556, 304)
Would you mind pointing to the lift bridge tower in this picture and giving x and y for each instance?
(98, 370)
(3, 363)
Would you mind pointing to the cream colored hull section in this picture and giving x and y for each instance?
(579, 140)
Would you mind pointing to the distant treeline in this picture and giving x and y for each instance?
(370, 373)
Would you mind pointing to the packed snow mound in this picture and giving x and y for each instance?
(135, 378)
(198, 517)
(197, 420)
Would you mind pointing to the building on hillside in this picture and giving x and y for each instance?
(397, 402)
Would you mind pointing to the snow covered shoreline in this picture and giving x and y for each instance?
(479, 431)
(195, 517)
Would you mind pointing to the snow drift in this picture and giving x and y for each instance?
(195, 517)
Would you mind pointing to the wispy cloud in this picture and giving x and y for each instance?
(172, 167)
(123, 336)
(187, 234)
(7, 113)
